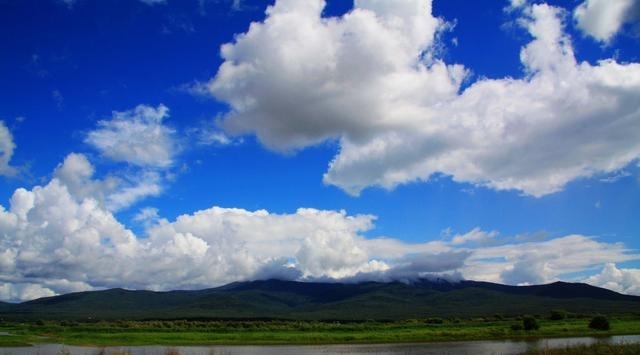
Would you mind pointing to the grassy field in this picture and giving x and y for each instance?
(175, 333)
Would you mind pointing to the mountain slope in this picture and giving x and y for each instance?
(323, 301)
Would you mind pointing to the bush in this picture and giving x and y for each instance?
(516, 327)
(530, 323)
(558, 314)
(599, 323)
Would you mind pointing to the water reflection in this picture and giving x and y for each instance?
(450, 348)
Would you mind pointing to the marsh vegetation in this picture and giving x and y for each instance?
(212, 332)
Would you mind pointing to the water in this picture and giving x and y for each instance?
(492, 347)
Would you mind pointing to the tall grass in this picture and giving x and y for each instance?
(180, 333)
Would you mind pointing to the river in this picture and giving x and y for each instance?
(493, 347)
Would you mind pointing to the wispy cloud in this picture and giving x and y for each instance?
(57, 97)
(7, 146)
(136, 136)
(71, 3)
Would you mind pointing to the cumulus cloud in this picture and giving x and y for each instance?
(21, 291)
(603, 19)
(60, 238)
(114, 193)
(543, 261)
(136, 136)
(620, 280)
(54, 241)
(298, 79)
(370, 80)
(7, 147)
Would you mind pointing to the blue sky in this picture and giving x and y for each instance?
(164, 144)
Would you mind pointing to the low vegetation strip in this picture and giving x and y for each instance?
(118, 333)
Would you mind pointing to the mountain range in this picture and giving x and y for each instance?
(277, 299)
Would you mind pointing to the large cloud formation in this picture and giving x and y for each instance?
(60, 238)
(370, 80)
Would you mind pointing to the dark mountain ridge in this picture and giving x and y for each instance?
(277, 299)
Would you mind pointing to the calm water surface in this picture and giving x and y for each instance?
(449, 348)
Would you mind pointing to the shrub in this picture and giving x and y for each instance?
(516, 327)
(558, 314)
(599, 323)
(530, 323)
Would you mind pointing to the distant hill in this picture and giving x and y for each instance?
(275, 299)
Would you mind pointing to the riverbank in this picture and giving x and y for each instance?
(593, 349)
(181, 332)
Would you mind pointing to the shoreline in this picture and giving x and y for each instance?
(621, 345)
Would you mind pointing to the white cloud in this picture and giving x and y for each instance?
(298, 79)
(205, 134)
(21, 291)
(53, 239)
(113, 192)
(542, 261)
(7, 146)
(136, 136)
(370, 80)
(76, 173)
(516, 4)
(140, 186)
(148, 216)
(476, 235)
(57, 238)
(603, 19)
(620, 280)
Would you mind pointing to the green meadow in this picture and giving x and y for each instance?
(217, 332)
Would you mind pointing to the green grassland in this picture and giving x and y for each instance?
(182, 332)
